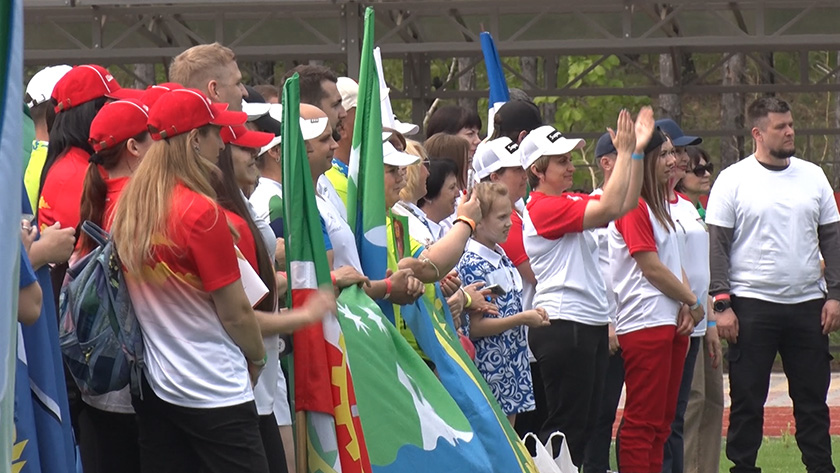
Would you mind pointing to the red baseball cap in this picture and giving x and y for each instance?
(241, 136)
(153, 92)
(88, 82)
(183, 110)
(117, 122)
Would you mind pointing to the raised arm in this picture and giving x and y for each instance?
(613, 201)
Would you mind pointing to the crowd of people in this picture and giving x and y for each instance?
(562, 298)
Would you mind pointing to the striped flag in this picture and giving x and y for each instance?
(11, 141)
(499, 93)
(323, 385)
(366, 179)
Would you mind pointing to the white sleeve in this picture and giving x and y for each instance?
(828, 205)
(720, 210)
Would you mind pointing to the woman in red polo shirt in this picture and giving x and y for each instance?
(120, 139)
(203, 348)
(239, 172)
(78, 97)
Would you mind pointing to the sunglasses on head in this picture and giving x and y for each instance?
(700, 171)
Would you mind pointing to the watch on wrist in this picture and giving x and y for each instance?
(260, 362)
(721, 305)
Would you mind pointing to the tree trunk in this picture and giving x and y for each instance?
(467, 82)
(835, 162)
(529, 65)
(767, 75)
(732, 111)
(145, 75)
(669, 104)
(263, 73)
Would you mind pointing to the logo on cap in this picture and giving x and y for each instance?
(554, 136)
(511, 147)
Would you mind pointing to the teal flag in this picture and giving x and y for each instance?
(366, 178)
(410, 422)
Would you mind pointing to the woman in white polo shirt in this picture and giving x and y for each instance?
(656, 311)
(572, 352)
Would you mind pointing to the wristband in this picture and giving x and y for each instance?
(711, 323)
(332, 278)
(637, 156)
(261, 362)
(467, 298)
(470, 222)
(387, 289)
(696, 305)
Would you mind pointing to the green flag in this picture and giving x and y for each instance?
(410, 422)
(323, 385)
(366, 178)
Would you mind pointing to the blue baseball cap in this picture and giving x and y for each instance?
(604, 146)
(676, 134)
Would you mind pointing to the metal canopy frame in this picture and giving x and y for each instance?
(418, 32)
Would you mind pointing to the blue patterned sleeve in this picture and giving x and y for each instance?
(470, 269)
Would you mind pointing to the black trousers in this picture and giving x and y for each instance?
(108, 441)
(597, 457)
(272, 444)
(532, 421)
(573, 361)
(794, 331)
(674, 455)
(177, 439)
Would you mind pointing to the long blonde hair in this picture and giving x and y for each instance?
(142, 212)
(412, 172)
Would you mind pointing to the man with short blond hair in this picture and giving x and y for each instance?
(212, 69)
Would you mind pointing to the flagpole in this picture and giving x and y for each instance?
(300, 442)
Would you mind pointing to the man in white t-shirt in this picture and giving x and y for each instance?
(318, 87)
(769, 216)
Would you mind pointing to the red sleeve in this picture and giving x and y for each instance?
(555, 216)
(637, 229)
(210, 246)
(513, 246)
(246, 243)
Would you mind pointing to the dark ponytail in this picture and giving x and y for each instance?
(229, 196)
(95, 190)
(70, 129)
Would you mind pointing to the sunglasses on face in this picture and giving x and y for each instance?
(701, 171)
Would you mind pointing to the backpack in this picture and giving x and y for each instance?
(98, 331)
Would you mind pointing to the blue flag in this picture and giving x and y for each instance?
(436, 336)
(499, 93)
(11, 139)
(42, 412)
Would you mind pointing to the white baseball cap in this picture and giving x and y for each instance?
(309, 127)
(393, 157)
(256, 109)
(406, 129)
(349, 90)
(546, 141)
(490, 156)
(40, 87)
